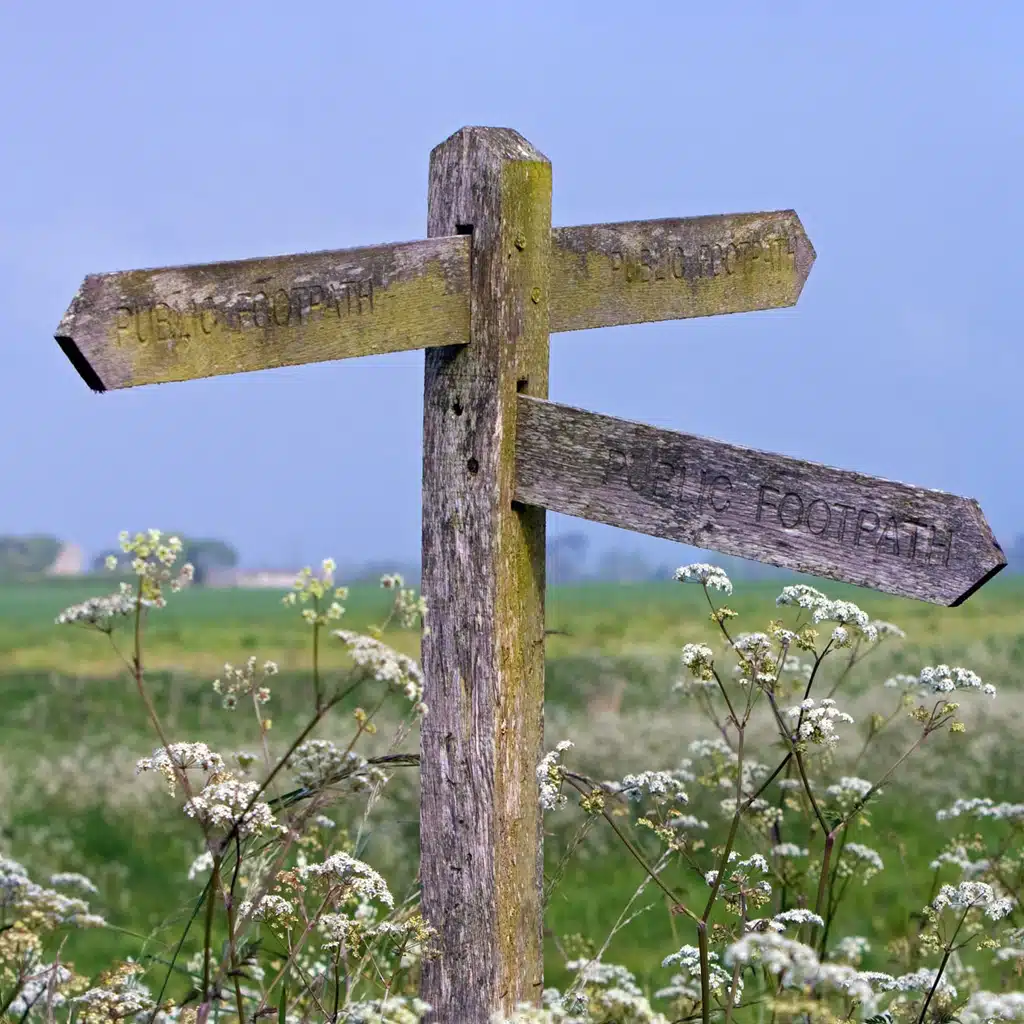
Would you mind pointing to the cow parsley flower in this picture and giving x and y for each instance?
(686, 984)
(550, 775)
(384, 663)
(355, 877)
(270, 908)
(100, 612)
(943, 679)
(224, 805)
(177, 758)
(817, 722)
(981, 807)
(700, 660)
(789, 851)
(707, 575)
(663, 786)
(858, 859)
(973, 894)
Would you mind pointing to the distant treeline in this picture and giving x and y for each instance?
(571, 559)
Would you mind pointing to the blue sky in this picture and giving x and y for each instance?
(141, 135)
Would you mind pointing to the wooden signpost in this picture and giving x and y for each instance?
(481, 296)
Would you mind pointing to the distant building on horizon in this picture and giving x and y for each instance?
(252, 579)
(70, 561)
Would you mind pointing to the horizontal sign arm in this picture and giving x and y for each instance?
(180, 323)
(608, 274)
(799, 515)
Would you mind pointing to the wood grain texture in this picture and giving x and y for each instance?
(180, 323)
(608, 274)
(828, 522)
(483, 578)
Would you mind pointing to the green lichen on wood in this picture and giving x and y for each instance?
(525, 242)
(637, 272)
(156, 326)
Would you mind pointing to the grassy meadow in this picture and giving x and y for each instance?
(72, 728)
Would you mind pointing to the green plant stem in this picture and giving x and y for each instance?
(208, 928)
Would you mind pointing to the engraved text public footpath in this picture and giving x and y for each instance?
(695, 489)
(706, 261)
(258, 309)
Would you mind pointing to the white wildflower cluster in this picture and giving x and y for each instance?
(100, 612)
(797, 967)
(858, 861)
(851, 950)
(224, 805)
(707, 575)
(392, 1009)
(409, 607)
(385, 664)
(793, 665)
(319, 763)
(975, 895)
(73, 880)
(943, 679)
(780, 922)
(663, 787)
(154, 562)
(607, 992)
(986, 1007)
(789, 851)
(550, 775)
(982, 807)
(347, 877)
(271, 908)
(120, 995)
(239, 682)
(957, 856)
(202, 864)
(758, 660)
(816, 722)
(685, 985)
(852, 622)
(740, 890)
(887, 629)
(41, 987)
(699, 660)
(23, 900)
(175, 759)
(848, 793)
(316, 592)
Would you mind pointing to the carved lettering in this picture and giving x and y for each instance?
(814, 511)
(709, 260)
(791, 510)
(264, 310)
(890, 535)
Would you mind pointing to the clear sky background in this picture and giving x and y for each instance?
(146, 134)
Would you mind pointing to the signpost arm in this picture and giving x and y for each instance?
(483, 578)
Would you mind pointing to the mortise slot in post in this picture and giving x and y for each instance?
(522, 384)
(463, 229)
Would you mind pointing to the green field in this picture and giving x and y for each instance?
(71, 729)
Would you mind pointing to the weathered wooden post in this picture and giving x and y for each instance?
(483, 571)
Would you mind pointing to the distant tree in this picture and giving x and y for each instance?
(207, 555)
(25, 556)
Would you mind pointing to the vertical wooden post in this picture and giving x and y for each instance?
(483, 578)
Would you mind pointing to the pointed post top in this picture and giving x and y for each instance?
(501, 144)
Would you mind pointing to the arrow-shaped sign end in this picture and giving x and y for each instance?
(804, 254)
(65, 337)
(990, 559)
